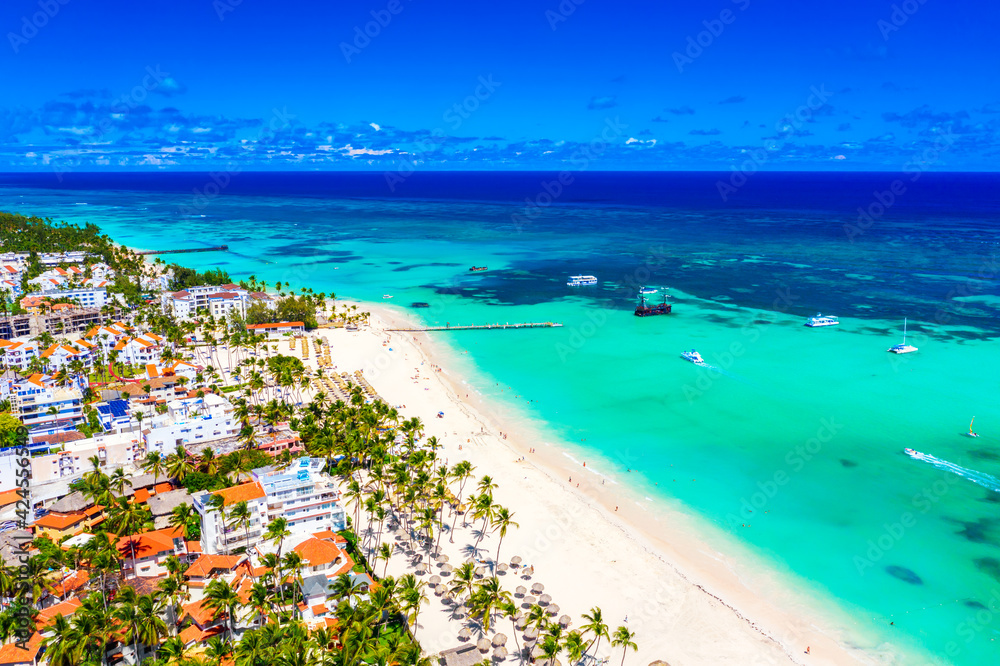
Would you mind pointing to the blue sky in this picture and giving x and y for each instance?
(522, 84)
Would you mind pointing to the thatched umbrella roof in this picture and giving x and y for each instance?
(480, 572)
(502, 567)
(439, 590)
(537, 588)
(520, 591)
(499, 639)
(552, 610)
(530, 600)
(531, 634)
(500, 653)
(442, 558)
(447, 569)
(515, 560)
(521, 622)
(565, 620)
(545, 599)
(464, 634)
(484, 645)
(658, 662)
(434, 580)
(536, 651)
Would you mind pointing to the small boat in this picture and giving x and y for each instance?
(646, 291)
(902, 348)
(420, 304)
(820, 320)
(386, 296)
(477, 269)
(972, 433)
(694, 357)
(910, 452)
(581, 280)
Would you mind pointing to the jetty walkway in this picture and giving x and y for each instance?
(478, 327)
(217, 248)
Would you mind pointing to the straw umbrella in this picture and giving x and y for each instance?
(464, 634)
(530, 600)
(480, 572)
(447, 569)
(483, 645)
(520, 591)
(658, 662)
(545, 600)
(516, 560)
(434, 580)
(502, 567)
(531, 634)
(499, 639)
(552, 610)
(537, 588)
(536, 652)
(565, 620)
(500, 653)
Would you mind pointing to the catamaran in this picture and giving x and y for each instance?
(820, 320)
(581, 280)
(902, 348)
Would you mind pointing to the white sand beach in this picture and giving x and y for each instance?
(590, 545)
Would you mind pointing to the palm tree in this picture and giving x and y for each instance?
(178, 465)
(623, 638)
(217, 504)
(277, 530)
(242, 516)
(487, 598)
(151, 626)
(502, 520)
(221, 598)
(412, 594)
(126, 519)
(596, 626)
(463, 579)
(574, 647)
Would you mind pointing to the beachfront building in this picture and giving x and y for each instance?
(187, 302)
(106, 337)
(176, 368)
(218, 534)
(277, 329)
(14, 354)
(10, 288)
(304, 494)
(86, 296)
(73, 461)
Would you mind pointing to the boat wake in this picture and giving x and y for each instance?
(980, 478)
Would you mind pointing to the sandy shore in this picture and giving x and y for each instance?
(590, 541)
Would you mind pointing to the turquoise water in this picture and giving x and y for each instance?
(793, 444)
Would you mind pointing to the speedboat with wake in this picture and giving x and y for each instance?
(581, 281)
(694, 357)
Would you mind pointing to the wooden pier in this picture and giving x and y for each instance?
(478, 327)
(217, 248)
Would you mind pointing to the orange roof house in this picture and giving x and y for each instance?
(320, 555)
(12, 654)
(57, 525)
(244, 492)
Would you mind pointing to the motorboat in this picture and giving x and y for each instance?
(822, 320)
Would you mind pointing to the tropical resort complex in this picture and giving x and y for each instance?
(197, 469)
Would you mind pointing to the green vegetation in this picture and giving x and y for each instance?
(188, 277)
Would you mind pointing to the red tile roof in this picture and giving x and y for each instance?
(59, 521)
(206, 564)
(11, 653)
(316, 552)
(241, 493)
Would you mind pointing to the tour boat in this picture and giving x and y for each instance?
(386, 296)
(820, 320)
(476, 269)
(646, 291)
(694, 357)
(902, 348)
(643, 310)
(581, 280)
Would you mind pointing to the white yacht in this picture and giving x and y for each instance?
(646, 291)
(581, 280)
(906, 349)
(694, 357)
(820, 320)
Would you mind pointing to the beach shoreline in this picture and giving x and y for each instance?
(687, 602)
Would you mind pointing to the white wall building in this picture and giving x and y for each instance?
(113, 449)
(17, 354)
(34, 397)
(191, 421)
